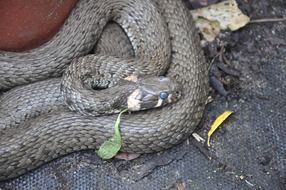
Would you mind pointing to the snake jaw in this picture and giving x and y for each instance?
(170, 100)
(133, 101)
(159, 103)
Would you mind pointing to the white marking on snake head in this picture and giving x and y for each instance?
(159, 103)
(170, 98)
(133, 102)
(133, 78)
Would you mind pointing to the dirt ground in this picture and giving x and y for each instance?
(247, 152)
(257, 52)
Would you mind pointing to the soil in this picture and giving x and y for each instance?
(247, 151)
(256, 94)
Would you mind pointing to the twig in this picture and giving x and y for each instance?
(268, 20)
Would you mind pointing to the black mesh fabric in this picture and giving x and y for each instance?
(247, 152)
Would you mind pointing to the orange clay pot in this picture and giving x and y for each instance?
(27, 24)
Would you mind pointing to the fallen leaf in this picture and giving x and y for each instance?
(209, 29)
(219, 120)
(111, 147)
(220, 16)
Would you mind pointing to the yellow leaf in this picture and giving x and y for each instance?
(219, 120)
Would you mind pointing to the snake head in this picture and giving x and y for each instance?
(153, 92)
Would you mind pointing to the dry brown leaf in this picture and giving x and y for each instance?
(225, 15)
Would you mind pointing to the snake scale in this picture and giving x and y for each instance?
(62, 131)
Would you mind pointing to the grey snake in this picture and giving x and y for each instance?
(160, 32)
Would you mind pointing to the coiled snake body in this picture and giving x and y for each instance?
(62, 131)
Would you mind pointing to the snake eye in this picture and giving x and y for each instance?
(164, 95)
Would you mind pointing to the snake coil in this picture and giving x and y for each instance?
(61, 132)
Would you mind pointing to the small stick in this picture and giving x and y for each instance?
(268, 20)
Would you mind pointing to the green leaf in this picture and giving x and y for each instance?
(111, 147)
